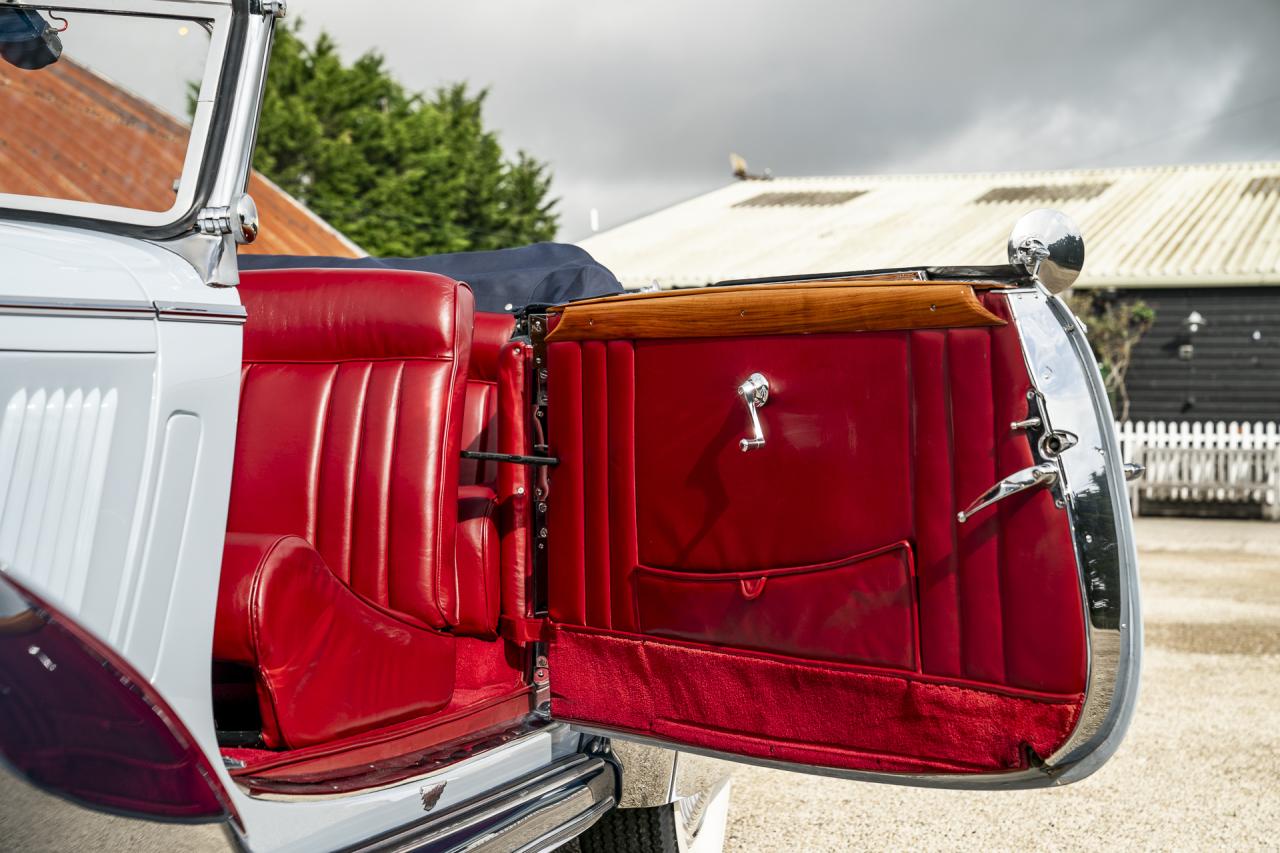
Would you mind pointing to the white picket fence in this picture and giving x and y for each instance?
(1205, 463)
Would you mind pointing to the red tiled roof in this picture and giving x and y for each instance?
(123, 150)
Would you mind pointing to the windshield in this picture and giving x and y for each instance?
(97, 110)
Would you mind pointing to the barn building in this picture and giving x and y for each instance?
(1200, 244)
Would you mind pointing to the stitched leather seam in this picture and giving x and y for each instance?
(352, 473)
(388, 548)
(1000, 510)
(485, 547)
(953, 559)
(769, 742)
(913, 431)
(583, 633)
(314, 477)
(352, 359)
(255, 618)
(447, 431)
(355, 478)
(781, 571)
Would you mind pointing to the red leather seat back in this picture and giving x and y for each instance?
(351, 418)
(479, 424)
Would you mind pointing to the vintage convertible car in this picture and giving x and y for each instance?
(358, 556)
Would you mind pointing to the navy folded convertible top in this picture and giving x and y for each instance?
(505, 280)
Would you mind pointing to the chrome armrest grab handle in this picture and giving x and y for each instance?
(755, 393)
(1044, 474)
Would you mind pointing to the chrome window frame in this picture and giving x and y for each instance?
(209, 130)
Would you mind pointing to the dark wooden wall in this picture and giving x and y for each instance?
(1230, 377)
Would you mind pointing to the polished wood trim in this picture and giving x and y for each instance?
(896, 279)
(771, 309)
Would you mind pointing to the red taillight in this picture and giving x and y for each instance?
(75, 718)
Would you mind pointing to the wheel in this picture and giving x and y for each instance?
(647, 830)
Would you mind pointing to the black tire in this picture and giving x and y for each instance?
(649, 830)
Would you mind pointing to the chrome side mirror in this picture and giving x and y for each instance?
(1046, 245)
(240, 220)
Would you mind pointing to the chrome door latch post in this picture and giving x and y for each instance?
(755, 393)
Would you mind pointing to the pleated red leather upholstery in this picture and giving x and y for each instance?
(349, 437)
(871, 439)
(479, 421)
(350, 426)
(478, 547)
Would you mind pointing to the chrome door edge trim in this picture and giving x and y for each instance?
(1063, 370)
(125, 309)
(1033, 777)
(195, 312)
(491, 821)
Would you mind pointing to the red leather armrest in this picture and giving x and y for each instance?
(515, 491)
(477, 545)
(329, 663)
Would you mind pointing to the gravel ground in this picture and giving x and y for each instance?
(1197, 771)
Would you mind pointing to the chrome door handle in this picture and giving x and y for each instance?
(755, 393)
(1044, 474)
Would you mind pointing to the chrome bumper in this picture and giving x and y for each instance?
(539, 812)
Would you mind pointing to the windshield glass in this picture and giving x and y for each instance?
(97, 109)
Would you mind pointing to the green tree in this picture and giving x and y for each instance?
(1115, 326)
(398, 172)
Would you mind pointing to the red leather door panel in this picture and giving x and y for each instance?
(815, 599)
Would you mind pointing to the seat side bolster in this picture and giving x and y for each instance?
(328, 662)
(477, 545)
(243, 558)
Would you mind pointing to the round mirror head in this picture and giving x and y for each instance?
(1046, 245)
(246, 225)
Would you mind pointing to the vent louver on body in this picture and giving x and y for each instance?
(802, 198)
(53, 465)
(1043, 193)
(1262, 185)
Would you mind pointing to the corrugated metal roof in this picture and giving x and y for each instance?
(121, 149)
(1162, 226)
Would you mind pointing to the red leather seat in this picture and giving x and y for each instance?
(340, 578)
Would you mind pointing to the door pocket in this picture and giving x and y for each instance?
(858, 610)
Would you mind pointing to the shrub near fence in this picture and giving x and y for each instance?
(1205, 463)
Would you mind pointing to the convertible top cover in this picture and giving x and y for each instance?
(503, 281)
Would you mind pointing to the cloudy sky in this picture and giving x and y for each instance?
(637, 105)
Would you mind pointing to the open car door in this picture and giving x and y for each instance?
(870, 526)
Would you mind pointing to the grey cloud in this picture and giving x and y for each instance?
(638, 105)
